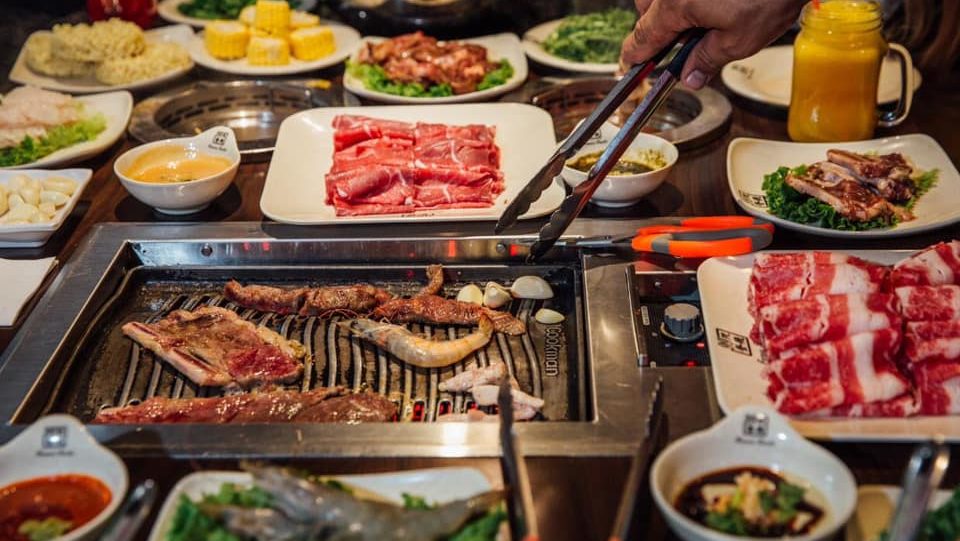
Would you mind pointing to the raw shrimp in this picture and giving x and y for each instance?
(417, 350)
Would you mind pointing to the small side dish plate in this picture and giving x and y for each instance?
(499, 47)
(436, 485)
(169, 11)
(115, 107)
(295, 191)
(32, 235)
(767, 76)
(875, 507)
(21, 73)
(738, 370)
(346, 39)
(533, 38)
(748, 160)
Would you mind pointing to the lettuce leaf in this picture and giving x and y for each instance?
(58, 137)
(789, 204)
(375, 78)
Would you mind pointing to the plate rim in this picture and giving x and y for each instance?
(535, 51)
(167, 10)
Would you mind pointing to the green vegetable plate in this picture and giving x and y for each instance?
(756, 169)
(572, 47)
(875, 507)
(169, 10)
(434, 486)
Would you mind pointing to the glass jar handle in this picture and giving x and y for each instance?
(898, 115)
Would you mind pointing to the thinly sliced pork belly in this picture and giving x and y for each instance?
(932, 341)
(216, 347)
(929, 303)
(794, 281)
(937, 265)
(938, 385)
(904, 405)
(824, 317)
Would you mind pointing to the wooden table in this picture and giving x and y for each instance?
(576, 499)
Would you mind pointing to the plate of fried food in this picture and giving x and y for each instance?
(103, 56)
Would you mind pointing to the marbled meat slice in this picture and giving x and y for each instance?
(216, 347)
(932, 341)
(936, 265)
(386, 151)
(823, 318)
(352, 129)
(835, 186)
(307, 301)
(929, 303)
(440, 311)
(798, 279)
(323, 405)
(904, 405)
(938, 387)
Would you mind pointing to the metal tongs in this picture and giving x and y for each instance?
(523, 519)
(923, 475)
(571, 207)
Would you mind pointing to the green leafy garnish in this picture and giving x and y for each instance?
(219, 9)
(57, 137)
(375, 78)
(191, 524)
(497, 77)
(731, 521)
(44, 530)
(482, 529)
(411, 501)
(923, 183)
(594, 37)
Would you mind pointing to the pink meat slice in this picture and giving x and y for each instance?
(352, 129)
(386, 151)
(932, 341)
(937, 265)
(793, 281)
(938, 386)
(904, 405)
(929, 303)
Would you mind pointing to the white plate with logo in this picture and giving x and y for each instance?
(533, 45)
(738, 368)
(748, 160)
(169, 10)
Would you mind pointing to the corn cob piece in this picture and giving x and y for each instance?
(302, 19)
(226, 40)
(247, 15)
(312, 43)
(273, 17)
(268, 51)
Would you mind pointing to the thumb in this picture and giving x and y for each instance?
(656, 28)
(706, 60)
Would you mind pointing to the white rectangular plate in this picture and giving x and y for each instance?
(875, 506)
(21, 73)
(437, 485)
(30, 235)
(738, 372)
(295, 191)
(748, 160)
(499, 47)
(115, 107)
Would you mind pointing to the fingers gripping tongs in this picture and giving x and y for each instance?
(571, 206)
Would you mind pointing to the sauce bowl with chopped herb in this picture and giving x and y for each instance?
(181, 176)
(752, 476)
(641, 169)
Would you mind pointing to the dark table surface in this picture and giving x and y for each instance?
(575, 498)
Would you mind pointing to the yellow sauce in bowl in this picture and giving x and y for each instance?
(172, 163)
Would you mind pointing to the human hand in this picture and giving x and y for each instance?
(736, 29)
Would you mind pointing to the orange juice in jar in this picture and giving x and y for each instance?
(836, 69)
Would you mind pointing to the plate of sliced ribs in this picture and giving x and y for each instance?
(878, 188)
(852, 346)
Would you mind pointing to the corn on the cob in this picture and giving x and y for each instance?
(226, 40)
(247, 15)
(268, 51)
(312, 43)
(302, 19)
(273, 17)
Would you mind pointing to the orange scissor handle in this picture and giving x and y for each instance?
(705, 243)
(726, 222)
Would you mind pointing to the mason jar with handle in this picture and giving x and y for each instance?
(836, 71)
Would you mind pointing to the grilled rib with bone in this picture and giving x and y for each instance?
(889, 174)
(323, 405)
(307, 301)
(837, 187)
(216, 347)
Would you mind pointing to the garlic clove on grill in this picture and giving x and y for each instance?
(548, 316)
(495, 295)
(470, 293)
(531, 287)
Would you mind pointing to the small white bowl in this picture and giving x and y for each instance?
(59, 445)
(623, 190)
(184, 197)
(752, 436)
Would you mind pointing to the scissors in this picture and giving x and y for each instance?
(711, 236)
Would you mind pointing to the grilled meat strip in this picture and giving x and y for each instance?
(837, 187)
(440, 311)
(214, 346)
(323, 405)
(307, 301)
(889, 174)
(434, 281)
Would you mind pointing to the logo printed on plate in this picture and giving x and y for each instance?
(53, 442)
(756, 199)
(755, 428)
(736, 343)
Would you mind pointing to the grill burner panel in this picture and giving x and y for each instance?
(108, 369)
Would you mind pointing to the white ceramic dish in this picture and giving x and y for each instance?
(295, 192)
(437, 485)
(752, 436)
(22, 74)
(168, 11)
(115, 107)
(346, 39)
(623, 190)
(58, 445)
(533, 38)
(499, 47)
(748, 160)
(767, 77)
(875, 507)
(184, 197)
(738, 372)
(32, 235)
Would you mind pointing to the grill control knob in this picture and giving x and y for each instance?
(682, 322)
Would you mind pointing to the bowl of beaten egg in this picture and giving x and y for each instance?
(181, 176)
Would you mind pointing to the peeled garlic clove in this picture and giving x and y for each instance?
(22, 213)
(48, 208)
(14, 200)
(531, 287)
(470, 293)
(57, 198)
(548, 316)
(63, 185)
(495, 295)
(18, 182)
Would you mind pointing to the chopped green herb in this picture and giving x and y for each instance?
(411, 501)
(44, 530)
(594, 37)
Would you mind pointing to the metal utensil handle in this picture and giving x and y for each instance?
(135, 509)
(523, 519)
(923, 475)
